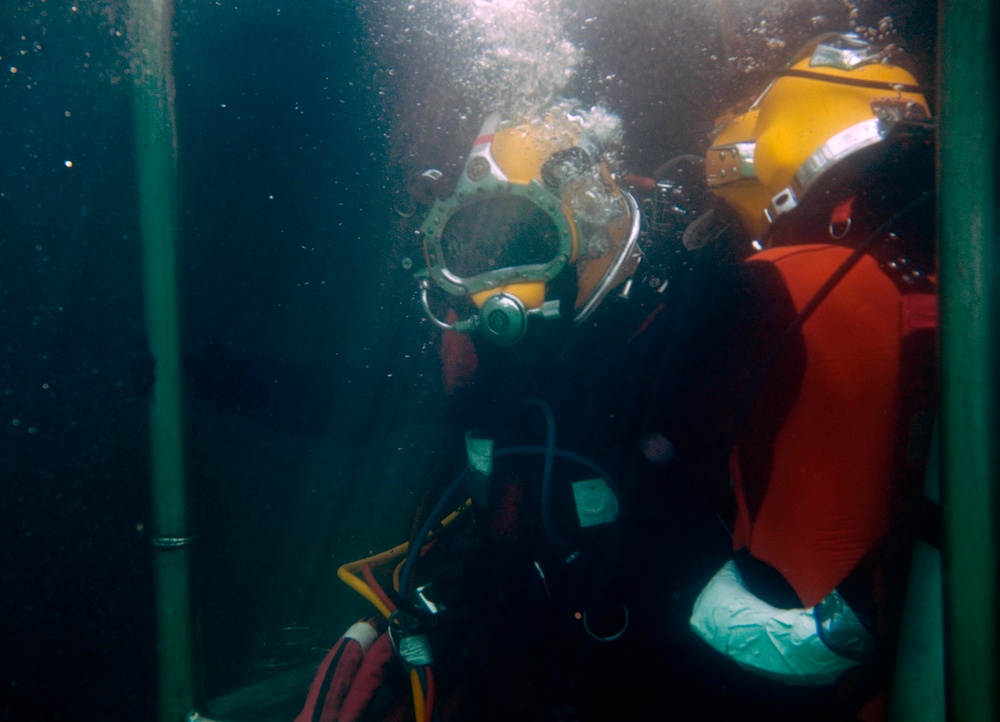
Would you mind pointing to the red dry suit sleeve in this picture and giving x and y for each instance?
(459, 360)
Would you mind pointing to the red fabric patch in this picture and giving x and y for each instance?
(877, 708)
(505, 520)
(647, 322)
(919, 311)
(842, 212)
(458, 359)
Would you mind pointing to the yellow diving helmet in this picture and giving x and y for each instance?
(535, 200)
(839, 96)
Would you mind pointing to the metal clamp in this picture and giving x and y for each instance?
(171, 542)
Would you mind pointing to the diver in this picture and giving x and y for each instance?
(530, 285)
(823, 340)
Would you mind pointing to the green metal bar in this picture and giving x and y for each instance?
(156, 159)
(967, 164)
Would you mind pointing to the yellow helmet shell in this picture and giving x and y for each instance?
(814, 114)
(521, 150)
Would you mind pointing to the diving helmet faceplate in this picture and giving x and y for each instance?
(535, 200)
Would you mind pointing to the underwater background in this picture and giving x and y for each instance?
(316, 420)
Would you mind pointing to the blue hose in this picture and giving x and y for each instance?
(550, 458)
(436, 514)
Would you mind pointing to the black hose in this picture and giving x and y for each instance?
(665, 170)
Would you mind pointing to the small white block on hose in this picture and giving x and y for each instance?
(595, 502)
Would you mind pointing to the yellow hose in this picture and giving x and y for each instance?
(418, 695)
(348, 573)
(363, 589)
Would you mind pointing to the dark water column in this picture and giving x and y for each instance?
(156, 158)
(967, 163)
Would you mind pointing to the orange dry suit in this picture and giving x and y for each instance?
(813, 488)
(816, 466)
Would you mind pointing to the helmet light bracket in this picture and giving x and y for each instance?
(731, 163)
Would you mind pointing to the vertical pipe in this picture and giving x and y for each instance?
(967, 165)
(156, 159)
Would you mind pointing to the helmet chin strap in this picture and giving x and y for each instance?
(503, 318)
